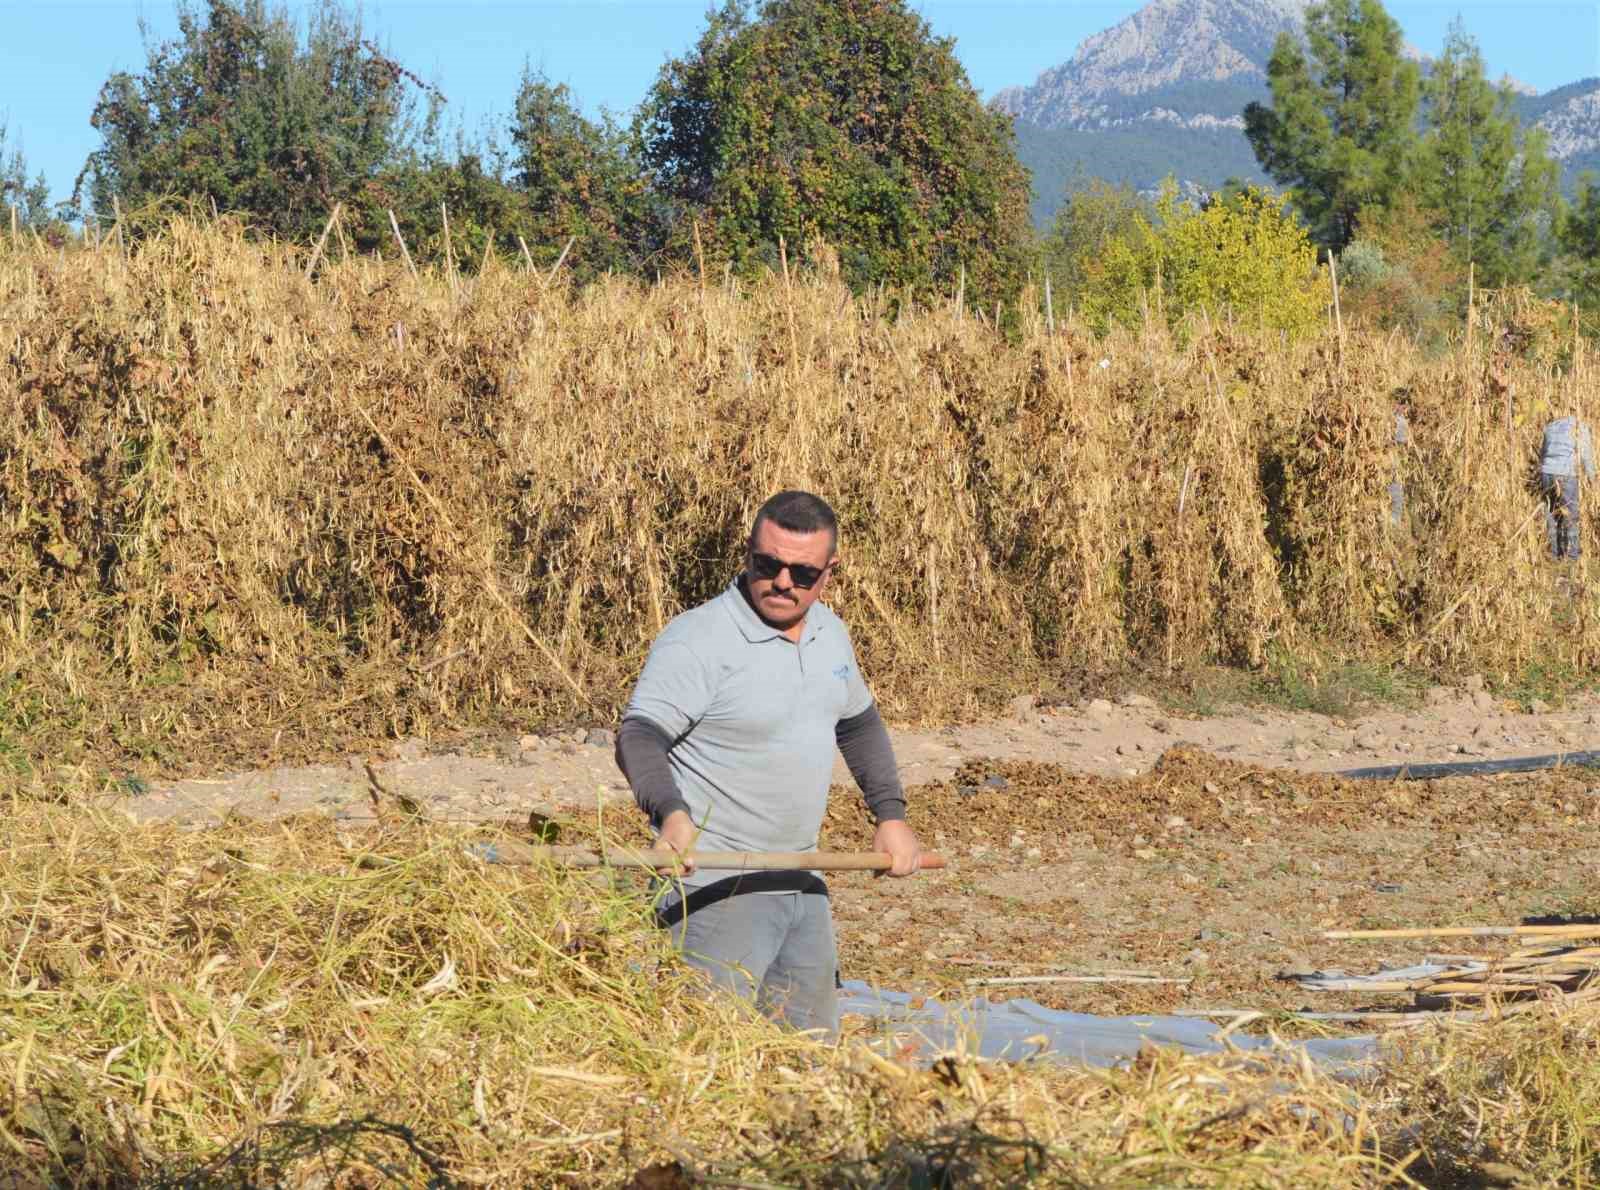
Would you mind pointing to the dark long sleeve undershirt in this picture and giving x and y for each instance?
(864, 742)
(863, 739)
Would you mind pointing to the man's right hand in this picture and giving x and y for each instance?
(678, 833)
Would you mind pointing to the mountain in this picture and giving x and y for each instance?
(1163, 91)
(1211, 48)
(1570, 116)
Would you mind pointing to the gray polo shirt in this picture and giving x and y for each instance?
(752, 717)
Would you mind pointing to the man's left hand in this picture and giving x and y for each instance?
(900, 841)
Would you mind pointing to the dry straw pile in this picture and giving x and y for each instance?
(246, 510)
(280, 1004)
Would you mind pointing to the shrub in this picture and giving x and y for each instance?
(1246, 257)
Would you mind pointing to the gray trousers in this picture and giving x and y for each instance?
(1561, 515)
(1397, 503)
(775, 950)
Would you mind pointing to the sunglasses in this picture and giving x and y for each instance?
(765, 566)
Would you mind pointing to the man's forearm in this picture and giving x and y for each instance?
(642, 756)
(864, 741)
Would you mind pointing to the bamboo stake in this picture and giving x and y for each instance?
(961, 293)
(511, 852)
(116, 207)
(449, 250)
(527, 257)
(1049, 308)
(699, 257)
(316, 253)
(562, 259)
(788, 302)
(1338, 316)
(13, 207)
(401, 240)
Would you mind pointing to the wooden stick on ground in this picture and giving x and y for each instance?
(1008, 981)
(511, 852)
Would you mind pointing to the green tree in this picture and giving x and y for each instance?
(1247, 255)
(1493, 185)
(238, 111)
(578, 180)
(29, 196)
(1340, 130)
(845, 120)
(1580, 238)
(1095, 215)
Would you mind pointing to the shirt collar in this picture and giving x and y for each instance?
(752, 626)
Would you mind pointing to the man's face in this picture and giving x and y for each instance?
(778, 600)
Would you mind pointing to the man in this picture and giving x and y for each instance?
(728, 745)
(1566, 444)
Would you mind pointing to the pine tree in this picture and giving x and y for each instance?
(29, 196)
(1492, 184)
(1580, 237)
(1340, 130)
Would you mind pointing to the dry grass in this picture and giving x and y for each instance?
(280, 1004)
(247, 514)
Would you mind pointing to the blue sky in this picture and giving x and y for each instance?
(54, 54)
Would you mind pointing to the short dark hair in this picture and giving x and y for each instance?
(798, 512)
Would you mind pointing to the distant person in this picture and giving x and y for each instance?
(1397, 486)
(1567, 443)
(728, 743)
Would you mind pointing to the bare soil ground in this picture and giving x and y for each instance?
(1107, 838)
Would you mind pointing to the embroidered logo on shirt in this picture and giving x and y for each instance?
(842, 673)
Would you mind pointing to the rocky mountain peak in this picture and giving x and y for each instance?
(1163, 44)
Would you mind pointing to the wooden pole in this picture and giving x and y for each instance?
(527, 257)
(116, 207)
(1338, 316)
(561, 260)
(449, 248)
(510, 852)
(788, 302)
(961, 293)
(13, 207)
(1049, 307)
(316, 253)
(401, 240)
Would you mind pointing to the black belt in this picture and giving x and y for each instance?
(737, 885)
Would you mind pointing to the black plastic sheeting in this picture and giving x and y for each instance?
(1475, 768)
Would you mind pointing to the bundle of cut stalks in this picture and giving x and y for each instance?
(1553, 969)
